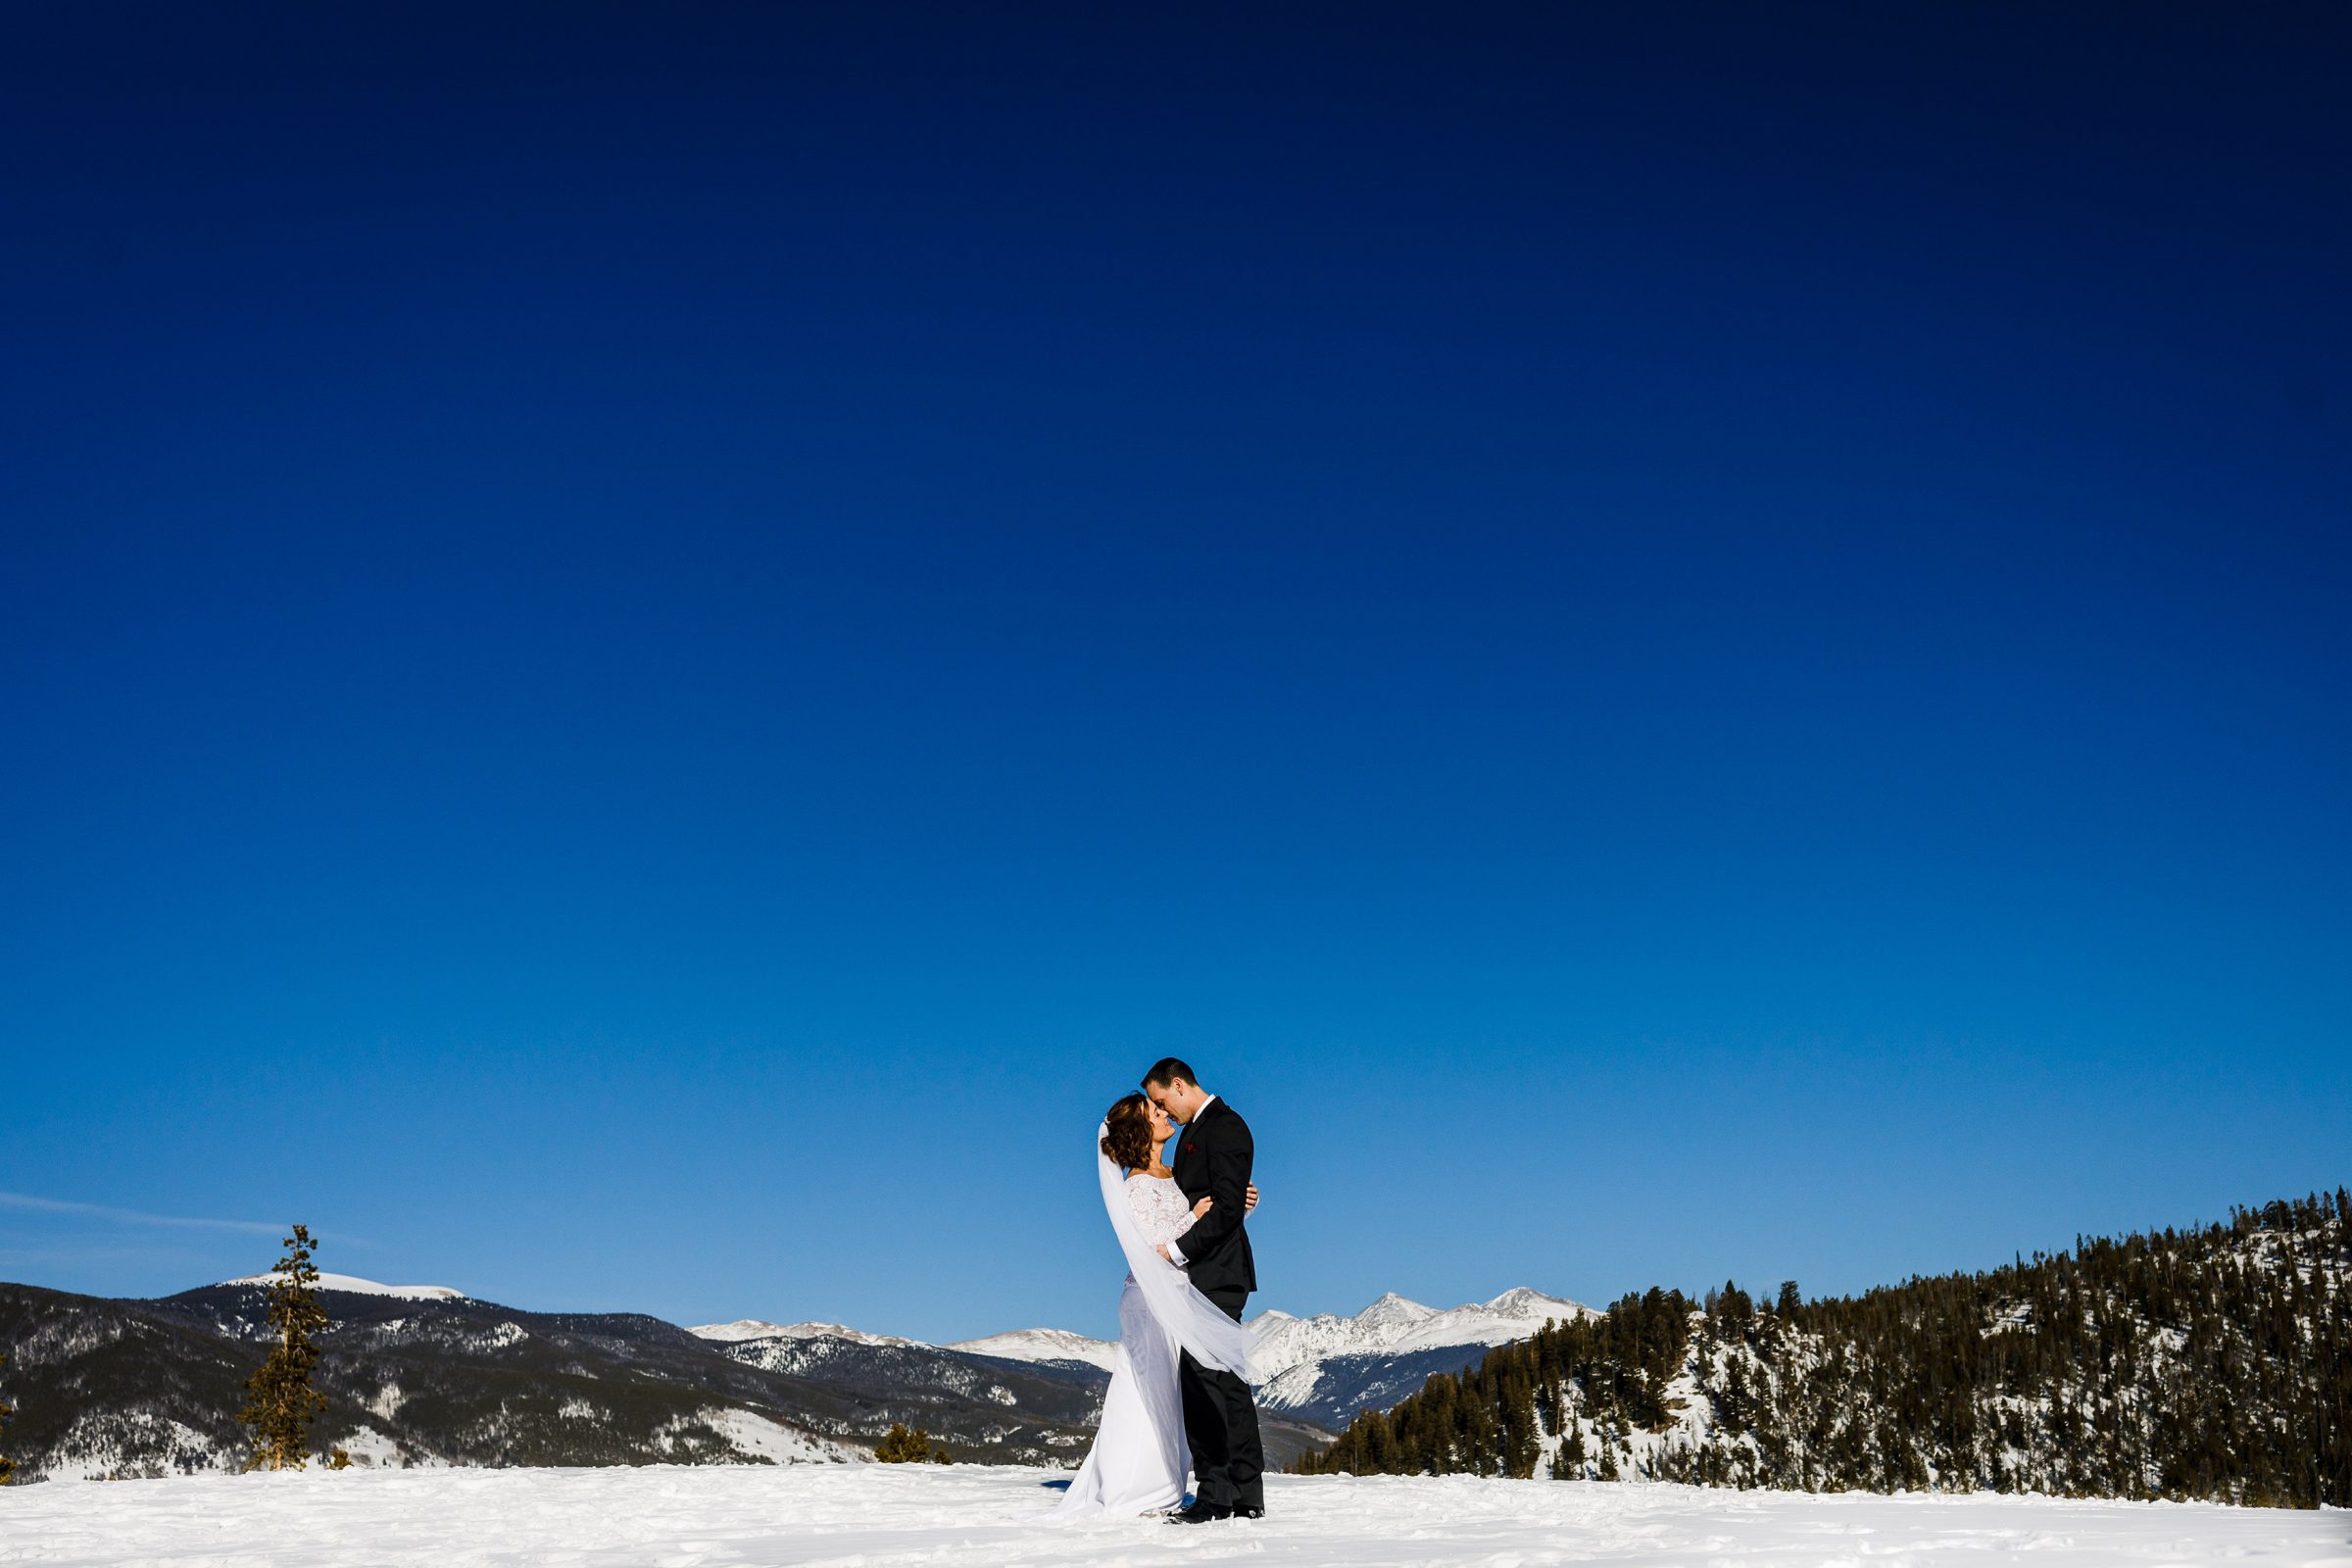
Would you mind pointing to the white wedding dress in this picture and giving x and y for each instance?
(1140, 1458)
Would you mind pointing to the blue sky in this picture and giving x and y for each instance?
(649, 654)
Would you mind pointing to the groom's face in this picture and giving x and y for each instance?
(1177, 1098)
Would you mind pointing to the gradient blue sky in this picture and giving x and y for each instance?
(649, 651)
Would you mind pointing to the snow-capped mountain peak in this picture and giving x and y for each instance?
(1043, 1345)
(1521, 1299)
(753, 1327)
(1327, 1366)
(1394, 1324)
(353, 1285)
(1395, 1309)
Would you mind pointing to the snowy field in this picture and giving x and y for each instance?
(870, 1516)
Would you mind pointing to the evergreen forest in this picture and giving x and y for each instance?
(2211, 1363)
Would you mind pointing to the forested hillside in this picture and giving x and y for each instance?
(2209, 1364)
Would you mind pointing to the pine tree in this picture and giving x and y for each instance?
(1568, 1461)
(901, 1446)
(281, 1402)
(8, 1466)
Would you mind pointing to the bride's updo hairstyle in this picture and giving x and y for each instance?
(1127, 1133)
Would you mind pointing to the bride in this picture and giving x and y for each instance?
(1138, 1461)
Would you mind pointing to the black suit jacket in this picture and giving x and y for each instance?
(1213, 1155)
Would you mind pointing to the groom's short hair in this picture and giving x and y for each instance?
(1167, 1069)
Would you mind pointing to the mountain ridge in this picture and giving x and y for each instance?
(429, 1375)
(752, 1328)
(353, 1285)
(134, 1388)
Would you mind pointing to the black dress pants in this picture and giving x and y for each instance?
(1220, 1422)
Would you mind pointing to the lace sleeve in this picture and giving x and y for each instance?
(1147, 1213)
(1160, 1209)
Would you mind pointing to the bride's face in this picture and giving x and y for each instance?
(1161, 1127)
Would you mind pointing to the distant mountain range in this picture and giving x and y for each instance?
(1286, 1343)
(752, 1328)
(1322, 1370)
(1043, 1344)
(1327, 1369)
(426, 1375)
(353, 1285)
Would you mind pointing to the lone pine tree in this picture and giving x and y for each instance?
(280, 1403)
(901, 1446)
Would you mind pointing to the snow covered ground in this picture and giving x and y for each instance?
(873, 1516)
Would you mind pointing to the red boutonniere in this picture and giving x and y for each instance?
(1191, 1148)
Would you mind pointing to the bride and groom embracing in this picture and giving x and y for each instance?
(1179, 1392)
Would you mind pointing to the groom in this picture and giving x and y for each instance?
(1220, 1419)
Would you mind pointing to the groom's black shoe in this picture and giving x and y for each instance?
(1248, 1512)
(1199, 1514)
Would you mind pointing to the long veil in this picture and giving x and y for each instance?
(1188, 1318)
